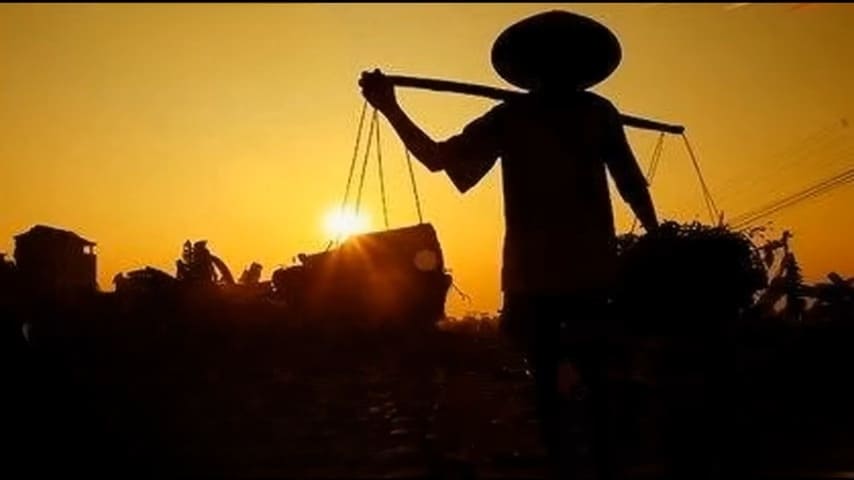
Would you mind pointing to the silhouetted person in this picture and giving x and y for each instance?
(559, 258)
(182, 265)
(252, 275)
(196, 264)
(203, 263)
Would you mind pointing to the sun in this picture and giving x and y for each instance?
(341, 224)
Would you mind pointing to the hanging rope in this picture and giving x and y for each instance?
(714, 215)
(656, 156)
(355, 154)
(466, 297)
(653, 166)
(414, 186)
(374, 136)
(707, 196)
(376, 121)
(371, 127)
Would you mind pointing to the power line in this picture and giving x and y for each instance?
(817, 186)
(813, 191)
(832, 155)
(794, 202)
(819, 142)
(774, 184)
(793, 199)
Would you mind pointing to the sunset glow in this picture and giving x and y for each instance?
(140, 126)
(341, 224)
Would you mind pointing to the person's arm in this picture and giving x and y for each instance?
(641, 203)
(626, 172)
(465, 157)
(379, 92)
(424, 148)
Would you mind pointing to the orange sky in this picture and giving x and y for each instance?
(140, 126)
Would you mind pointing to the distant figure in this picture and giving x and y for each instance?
(199, 266)
(202, 262)
(559, 260)
(252, 275)
(182, 265)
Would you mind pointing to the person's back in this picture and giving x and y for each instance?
(554, 149)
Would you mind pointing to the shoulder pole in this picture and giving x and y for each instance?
(494, 93)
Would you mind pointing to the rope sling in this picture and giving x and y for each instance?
(374, 136)
(715, 216)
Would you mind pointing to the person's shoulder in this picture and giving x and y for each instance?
(496, 114)
(514, 109)
(598, 101)
(603, 108)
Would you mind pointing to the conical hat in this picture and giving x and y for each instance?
(556, 47)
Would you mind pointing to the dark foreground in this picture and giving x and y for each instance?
(228, 395)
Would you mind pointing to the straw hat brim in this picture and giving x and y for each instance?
(556, 47)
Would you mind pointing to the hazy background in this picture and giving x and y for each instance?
(141, 126)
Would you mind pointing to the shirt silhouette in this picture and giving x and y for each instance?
(555, 147)
(554, 151)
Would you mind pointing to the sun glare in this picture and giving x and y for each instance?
(341, 224)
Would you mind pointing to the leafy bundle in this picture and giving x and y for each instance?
(686, 278)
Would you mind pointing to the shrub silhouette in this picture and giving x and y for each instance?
(687, 278)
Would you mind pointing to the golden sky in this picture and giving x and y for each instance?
(140, 126)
